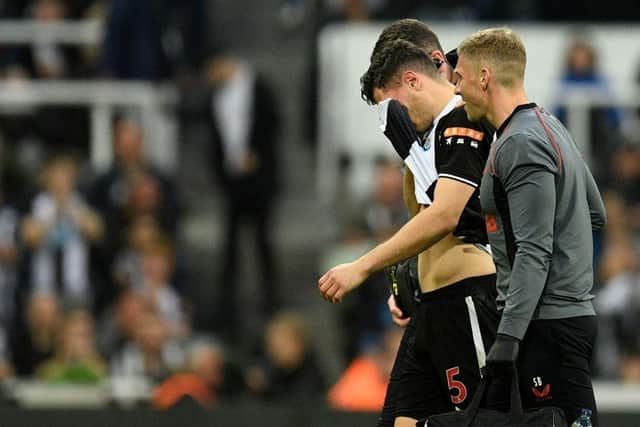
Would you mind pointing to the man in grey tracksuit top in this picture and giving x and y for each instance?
(541, 204)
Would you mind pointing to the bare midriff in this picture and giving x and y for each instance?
(450, 261)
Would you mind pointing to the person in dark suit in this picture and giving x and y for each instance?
(243, 123)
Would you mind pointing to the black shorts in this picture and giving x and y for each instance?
(554, 365)
(388, 415)
(438, 365)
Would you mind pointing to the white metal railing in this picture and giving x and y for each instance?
(27, 31)
(102, 97)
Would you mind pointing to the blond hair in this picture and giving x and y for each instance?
(293, 321)
(499, 49)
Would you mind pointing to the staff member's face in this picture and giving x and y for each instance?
(408, 93)
(469, 84)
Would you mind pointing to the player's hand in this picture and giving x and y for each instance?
(340, 280)
(396, 313)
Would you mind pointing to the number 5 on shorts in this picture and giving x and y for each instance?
(461, 390)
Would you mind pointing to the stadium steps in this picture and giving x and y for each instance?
(298, 232)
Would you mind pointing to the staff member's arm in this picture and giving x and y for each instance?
(421, 232)
(527, 170)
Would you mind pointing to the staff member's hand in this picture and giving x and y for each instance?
(396, 313)
(503, 355)
(340, 280)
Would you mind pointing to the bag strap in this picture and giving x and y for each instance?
(516, 410)
(469, 414)
(516, 400)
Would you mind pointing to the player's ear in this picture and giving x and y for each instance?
(410, 78)
(485, 78)
(438, 57)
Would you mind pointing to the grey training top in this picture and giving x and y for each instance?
(541, 204)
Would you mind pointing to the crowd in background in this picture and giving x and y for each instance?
(93, 283)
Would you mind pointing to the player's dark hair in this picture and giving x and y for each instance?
(393, 57)
(410, 30)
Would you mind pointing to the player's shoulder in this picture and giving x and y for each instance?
(456, 123)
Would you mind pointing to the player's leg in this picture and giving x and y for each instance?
(387, 415)
(419, 393)
(466, 330)
(405, 422)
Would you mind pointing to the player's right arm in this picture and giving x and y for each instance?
(420, 233)
(459, 178)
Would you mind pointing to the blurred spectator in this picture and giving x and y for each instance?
(133, 41)
(363, 386)
(383, 212)
(142, 233)
(581, 76)
(152, 354)
(46, 59)
(625, 180)
(58, 231)
(132, 187)
(150, 40)
(148, 290)
(8, 278)
(118, 324)
(76, 359)
(157, 269)
(95, 11)
(185, 35)
(243, 122)
(618, 225)
(208, 378)
(35, 340)
(289, 370)
(618, 305)
(147, 199)
(179, 386)
(131, 190)
(630, 368)
(352, 10)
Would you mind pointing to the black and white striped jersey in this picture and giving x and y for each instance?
(453, 148)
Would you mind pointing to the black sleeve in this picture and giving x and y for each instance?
(397, 127)
(463, 150)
